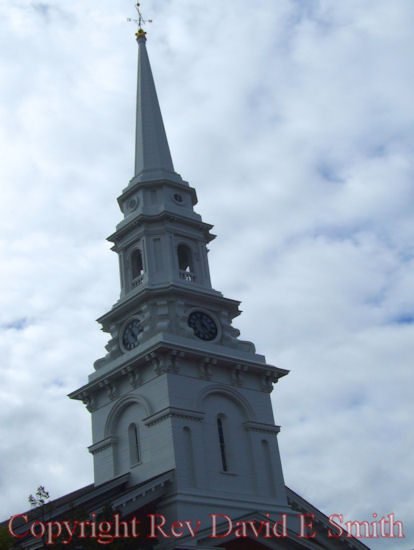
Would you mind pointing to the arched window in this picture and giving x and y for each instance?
(222, 443)
(268, 468)
(137, 267)
(184, 258)
(133, 444)
(185, 262)
(189, 456)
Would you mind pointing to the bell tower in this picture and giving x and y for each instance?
(178, 392)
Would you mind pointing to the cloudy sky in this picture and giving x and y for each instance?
(293, 119)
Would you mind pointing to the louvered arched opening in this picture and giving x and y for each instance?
(185, 263)
(137, 267)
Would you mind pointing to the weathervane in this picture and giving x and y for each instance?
(140, 21)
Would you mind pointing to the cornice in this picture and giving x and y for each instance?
(134, 186)
(180, 290)
(125, 226)
(161, 356)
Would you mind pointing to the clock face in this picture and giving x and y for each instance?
(203, 325)
(130, 334)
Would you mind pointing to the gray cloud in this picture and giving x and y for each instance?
(294, 122)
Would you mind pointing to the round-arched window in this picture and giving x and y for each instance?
(137, 267)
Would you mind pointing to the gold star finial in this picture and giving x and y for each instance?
(140, 21)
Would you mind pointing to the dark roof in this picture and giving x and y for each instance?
(95, 497)
(130, 499)
(299, 504)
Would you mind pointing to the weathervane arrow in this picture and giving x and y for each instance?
(140, 21)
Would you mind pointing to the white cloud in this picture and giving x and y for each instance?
(294, 122)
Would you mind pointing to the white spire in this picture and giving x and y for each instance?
(152, 154)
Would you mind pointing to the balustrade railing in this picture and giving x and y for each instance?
(187, 276)
(137, 281)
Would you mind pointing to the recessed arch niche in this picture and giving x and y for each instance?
(227, 443)
(125, 425)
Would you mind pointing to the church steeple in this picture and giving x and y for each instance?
(180, 406)
(152, 153)
(178, 391)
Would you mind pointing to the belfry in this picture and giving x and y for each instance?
(182, 421)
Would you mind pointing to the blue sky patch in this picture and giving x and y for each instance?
(42, 8)
(406, 319)
(329, 173)
(18, 324)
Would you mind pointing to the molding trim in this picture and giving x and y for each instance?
(230, 393)
(261, 427)
(170, 412)
(102, 445)
(120, 406)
